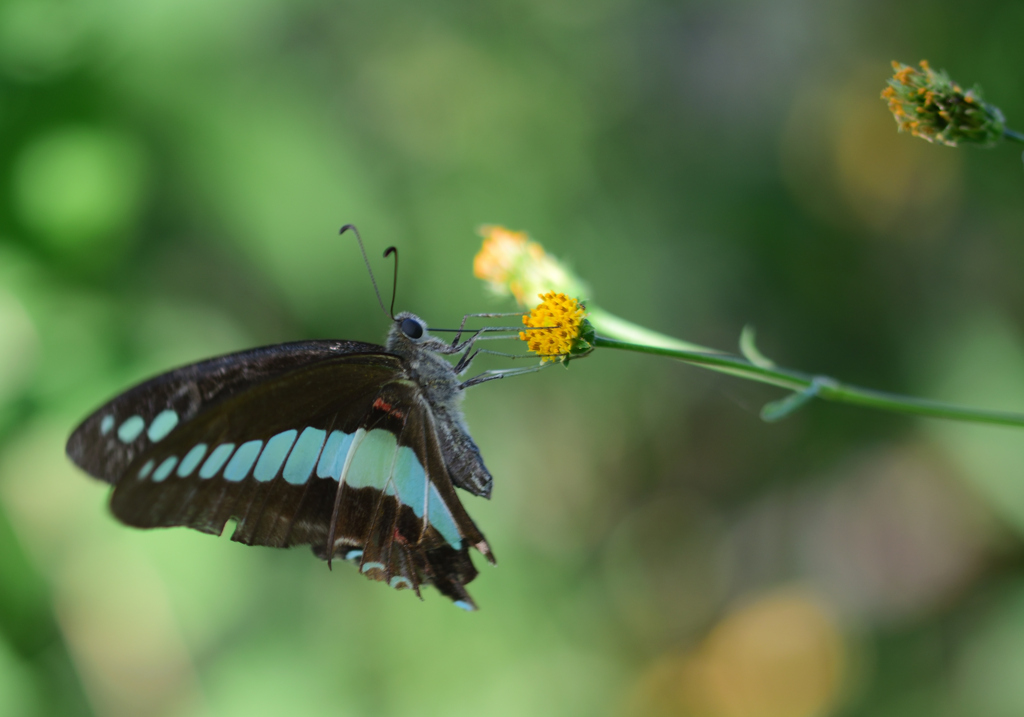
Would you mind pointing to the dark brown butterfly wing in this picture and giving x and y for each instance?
(332, 446)
(108, 440)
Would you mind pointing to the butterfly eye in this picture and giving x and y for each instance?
(412, 328)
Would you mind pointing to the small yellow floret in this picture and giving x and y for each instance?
(563, 318)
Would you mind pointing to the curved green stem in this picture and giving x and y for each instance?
(1011, 134)
(819, 386)
(628, 331)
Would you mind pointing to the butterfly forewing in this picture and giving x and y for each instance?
(340, 449)
(223, 462)
(108, 440)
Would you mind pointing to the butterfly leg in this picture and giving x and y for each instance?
(443, 347)
(465, 318)
(468, 357)
(502, 373)
(464, 362)
(479, 336)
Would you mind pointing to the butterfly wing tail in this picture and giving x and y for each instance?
(449, 571)
(387, 554)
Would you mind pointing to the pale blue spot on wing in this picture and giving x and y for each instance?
(441, 518)
(274, 455)
(398, 579)
(165, 468)
(464, 605)
(106, 425)
(303, 457)
(218, 458)
(146, 469)
(241, 463)
(374, 459)
(371, 565)
(163, 424)
(410, 480)
(191, 460)
(353, 555)
(130, 429)
(332, 459)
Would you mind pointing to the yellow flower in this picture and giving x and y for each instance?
(557, 323)
(511, 263)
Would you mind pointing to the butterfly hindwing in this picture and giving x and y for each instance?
(265, 444)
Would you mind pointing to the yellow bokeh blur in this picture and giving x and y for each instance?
(780, 654)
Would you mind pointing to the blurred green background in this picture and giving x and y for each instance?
(173, 178)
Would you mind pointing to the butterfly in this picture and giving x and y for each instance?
(352, 448)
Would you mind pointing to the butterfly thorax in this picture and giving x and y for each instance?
(424, 362)
(426, 367)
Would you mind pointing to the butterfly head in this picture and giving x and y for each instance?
(411, 327)
(408, 334)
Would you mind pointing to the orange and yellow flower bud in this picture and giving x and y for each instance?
(929, 105)
(511, 263)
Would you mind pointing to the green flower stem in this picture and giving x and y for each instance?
(1011, 134)
(614, 326)
(816, 386)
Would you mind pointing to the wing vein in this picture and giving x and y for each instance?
(332, 533)
(306, 488)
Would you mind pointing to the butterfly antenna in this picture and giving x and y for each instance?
(394, 282)
(367, 260)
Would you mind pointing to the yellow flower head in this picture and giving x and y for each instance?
(511, 263)
(929, 105)
(557, 324)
